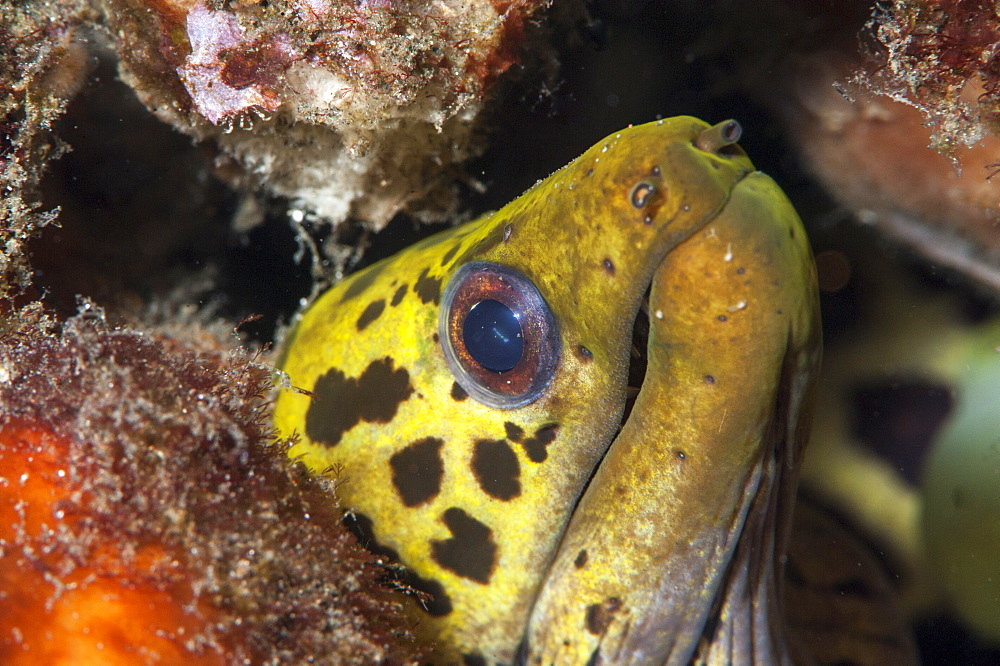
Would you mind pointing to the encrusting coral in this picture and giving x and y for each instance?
(145, 514)
(347, 108)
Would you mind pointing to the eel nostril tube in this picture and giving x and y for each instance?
(716, 137)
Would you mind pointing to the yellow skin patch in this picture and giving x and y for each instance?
(475, 499)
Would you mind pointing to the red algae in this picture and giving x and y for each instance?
(146, 514)
(939, 56)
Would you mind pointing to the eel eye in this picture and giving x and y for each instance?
(498, 334)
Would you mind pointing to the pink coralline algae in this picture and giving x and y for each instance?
(222, 86)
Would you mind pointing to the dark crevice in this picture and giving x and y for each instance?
(638, 357)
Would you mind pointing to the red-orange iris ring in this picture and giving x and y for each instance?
(527, 380)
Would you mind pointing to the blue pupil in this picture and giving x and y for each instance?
(492, 336)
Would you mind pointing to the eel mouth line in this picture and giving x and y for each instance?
(638, 357)
(720, 138)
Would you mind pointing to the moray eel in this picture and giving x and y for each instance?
(475, 388)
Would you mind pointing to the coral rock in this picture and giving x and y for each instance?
(348, 108)
(872, 154)
(42, 65)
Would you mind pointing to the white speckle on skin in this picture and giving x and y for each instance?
(729, 252)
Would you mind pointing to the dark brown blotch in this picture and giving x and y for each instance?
(599, 616)
(434, 600)
(431, 593)
(362, 527)
(361, 282)
(537, 446)
(497, 469)
(458, 393)
(371, 313)
(340, 402)
(581, 559)
(397, 298)
(794, 573)
(609, 266)
(514, 431)
(428, 288)
(449, 255)
(473, 660)
(417, 471)
(470, 552)
(584, 354)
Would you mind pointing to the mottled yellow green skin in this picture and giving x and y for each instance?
(704, 470)
(592, 254)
